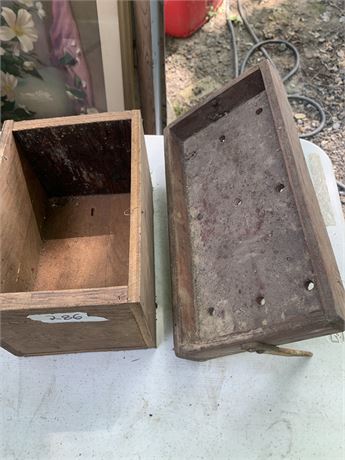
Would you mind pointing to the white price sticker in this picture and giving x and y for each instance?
(70, 317)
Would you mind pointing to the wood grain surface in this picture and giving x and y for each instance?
(20, 228)
(141, 268)
(143, 45)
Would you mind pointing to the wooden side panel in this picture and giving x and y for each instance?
(75, 298)
(89, 216)
(141, 272)
(20, 239)
(135, 206)
(330, 284)
(81, 263)
(86, 243)
(147, 276)
(219, 104)
(72, 120)
(185, 324)
(24, 336)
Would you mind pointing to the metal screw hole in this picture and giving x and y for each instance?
(260, 301)
(238, 201)
(309, 285)
(280, 187)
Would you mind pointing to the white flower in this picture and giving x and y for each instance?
(21, 26)
(8, 85)
(16, 49)
(40, 11)
(28, 65)
(28, 3)
(2, 51)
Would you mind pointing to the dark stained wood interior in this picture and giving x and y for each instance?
(79, 159)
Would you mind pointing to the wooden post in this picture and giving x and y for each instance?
(143, 44)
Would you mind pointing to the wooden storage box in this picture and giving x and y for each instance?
(251, 262)
(76, 235)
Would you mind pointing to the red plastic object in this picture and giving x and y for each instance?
(184, 17)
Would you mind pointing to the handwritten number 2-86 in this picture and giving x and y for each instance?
(66, 317)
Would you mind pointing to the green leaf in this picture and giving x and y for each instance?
(17, 60)
(21, 114)
(34, 73)
(11, 64)
(77, 93)
(67, 59)
(235, 18)
(7, 105)
(13, 69)
(77, 82)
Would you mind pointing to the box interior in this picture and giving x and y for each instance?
(244, 241)
(71, 223)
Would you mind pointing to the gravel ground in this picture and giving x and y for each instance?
(199, 64)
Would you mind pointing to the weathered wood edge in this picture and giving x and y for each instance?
(143, 44)
(136, 227)
(135, 205)
(323, 260)
(299, 332)
(52, 353)
(16, 301)
(213, 95)
(147, 267)
(7, 129)
(184, 323)
(72, 120)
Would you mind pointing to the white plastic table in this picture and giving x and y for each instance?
(148, 404)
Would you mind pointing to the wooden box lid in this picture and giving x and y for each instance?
(251, 260)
